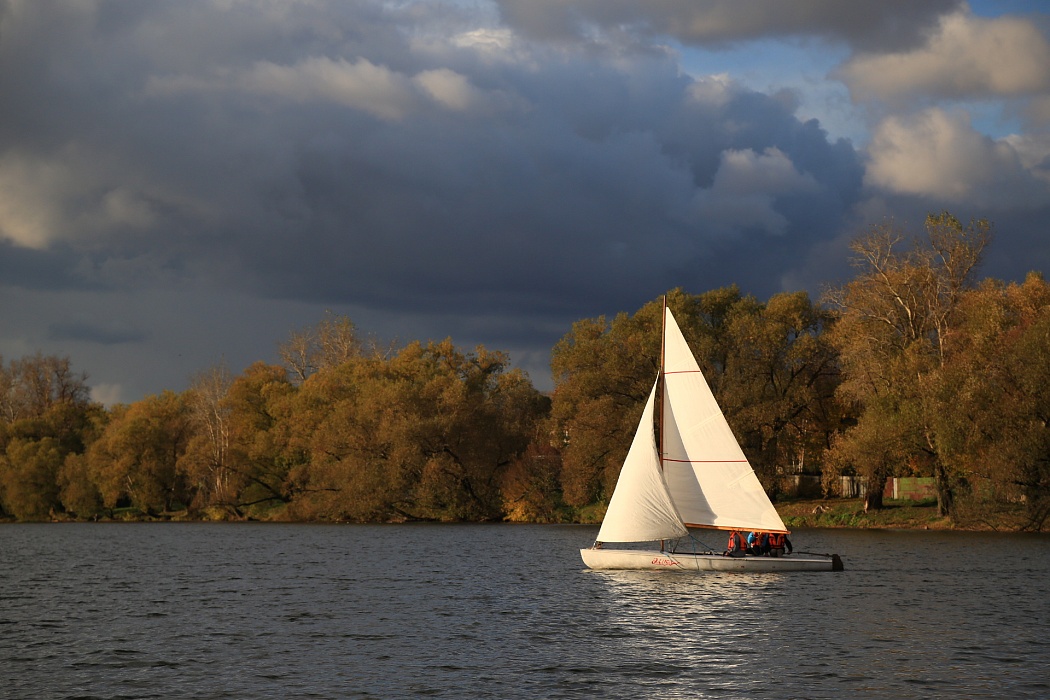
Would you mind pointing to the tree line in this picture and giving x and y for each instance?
(911, 368)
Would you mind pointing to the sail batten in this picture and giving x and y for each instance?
(708, 461)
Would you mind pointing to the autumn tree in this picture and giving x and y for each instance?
(262, 428)
(767, 364)
(603, 372)
(206, 462)
(531, 485)
(425, 434)
(328, 344)
(45, 415)
(28, 477)
(29, 386)
(993, 400)
(895, 318)
(79, 494)
(779, 383)
(473, 417)
(137, 458)
(341, 422)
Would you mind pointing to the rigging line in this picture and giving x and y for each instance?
(706, 461)
(706, 546)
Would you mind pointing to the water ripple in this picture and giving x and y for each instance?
(277, 611)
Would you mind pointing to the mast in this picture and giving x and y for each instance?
(663, 385)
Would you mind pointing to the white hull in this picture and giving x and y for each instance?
(660, 561)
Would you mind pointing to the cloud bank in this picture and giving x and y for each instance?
(185, 183)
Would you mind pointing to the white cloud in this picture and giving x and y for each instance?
(78, 194)
(745, 189)
(939, 154)
(967, 57)
(491, 43)
(1033, 150)
(107, 394)
(712, 90)
(31, 192)
(447, 88)
(361, 85)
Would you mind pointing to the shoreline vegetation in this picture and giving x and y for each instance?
(913, 370)
(849, 513)
(830, 513)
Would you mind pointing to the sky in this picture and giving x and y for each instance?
(185, 184)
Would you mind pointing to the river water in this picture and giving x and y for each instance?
(508, 611)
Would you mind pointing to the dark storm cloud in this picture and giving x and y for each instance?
(597, 205)
(346, 162)
(43, 270)
(213, 167)
(109, 334)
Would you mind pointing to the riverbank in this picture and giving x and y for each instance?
(896, 515)
(849, 513)
(842, 513)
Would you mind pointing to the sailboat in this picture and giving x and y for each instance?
(697, 477)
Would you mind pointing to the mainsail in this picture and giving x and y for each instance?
(709, 478)
(703, 480)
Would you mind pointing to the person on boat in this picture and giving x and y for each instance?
(758, 543)
(778, 542)
(736, 546)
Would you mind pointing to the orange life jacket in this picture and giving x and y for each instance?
(776, 540)
(736, 542)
